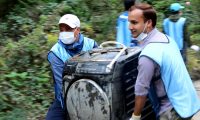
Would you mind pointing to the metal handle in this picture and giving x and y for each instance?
(111, 42)
(110, 65)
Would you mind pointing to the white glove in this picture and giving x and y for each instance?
(195, 47)
(134, 117)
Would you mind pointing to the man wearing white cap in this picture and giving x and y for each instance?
(175, 26)
(70, 42)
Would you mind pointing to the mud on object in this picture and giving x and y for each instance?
(92, 92)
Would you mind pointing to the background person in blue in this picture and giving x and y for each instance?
(160, 66)
(175, 26)
(70, 43)
(123, 33)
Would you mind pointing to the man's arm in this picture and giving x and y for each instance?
(139, 104)
(146, 68)
(56, 66)
(57, 69)
(186, 34)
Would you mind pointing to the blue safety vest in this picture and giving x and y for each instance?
(176, 79)
(175, 30)
(61, 52)
(123, 33)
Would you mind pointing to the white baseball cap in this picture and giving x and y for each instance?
(71, 20)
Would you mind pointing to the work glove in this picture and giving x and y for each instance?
(134, 117)
(195, 48)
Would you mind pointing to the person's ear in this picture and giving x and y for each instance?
(77, 31)
(149, 23)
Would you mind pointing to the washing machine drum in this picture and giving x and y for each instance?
(86, 100)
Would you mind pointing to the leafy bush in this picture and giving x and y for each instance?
(194, 64)
(25, 76)
(30, 29)
(195, 39)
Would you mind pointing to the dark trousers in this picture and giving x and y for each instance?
(172, 115)
(56, 112)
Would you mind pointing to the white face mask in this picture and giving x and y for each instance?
(67, 37)
(142, 35)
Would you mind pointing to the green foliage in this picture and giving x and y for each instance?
(194, 64)
(195, 39)
(17, 25)
(48, 8)
(30, 29)
(194, 28)
(18, 113)
(25, 75)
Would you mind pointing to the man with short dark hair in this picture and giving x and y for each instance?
(175, 26)
(162, 68)
(70, 42)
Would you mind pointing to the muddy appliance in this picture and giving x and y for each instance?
(99, 85)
